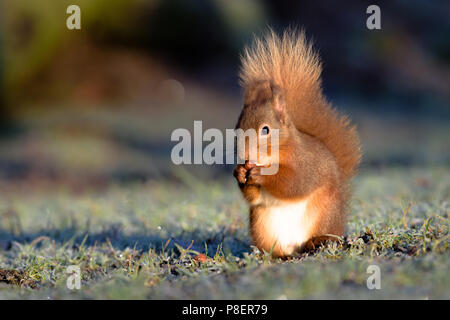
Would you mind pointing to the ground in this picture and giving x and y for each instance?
(147, 240)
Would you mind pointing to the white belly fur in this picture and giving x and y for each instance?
(288, 225)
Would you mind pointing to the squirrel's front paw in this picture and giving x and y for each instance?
(254, 176)
(240, 173)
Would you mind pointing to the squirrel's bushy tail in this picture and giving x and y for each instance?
(290, 62)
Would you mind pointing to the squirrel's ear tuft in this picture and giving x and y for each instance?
(259, 92)
(278, 101)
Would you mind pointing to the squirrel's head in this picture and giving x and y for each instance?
(264, 111)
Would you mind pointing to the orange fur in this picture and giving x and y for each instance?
(305, 202)
(290, 62)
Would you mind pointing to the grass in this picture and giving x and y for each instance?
(142, 241)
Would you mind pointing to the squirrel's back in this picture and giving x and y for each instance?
(290, 62)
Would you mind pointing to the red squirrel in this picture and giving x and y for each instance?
(305, 202)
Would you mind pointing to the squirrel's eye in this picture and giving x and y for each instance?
(265, 131)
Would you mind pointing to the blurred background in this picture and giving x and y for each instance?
(97, 106)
